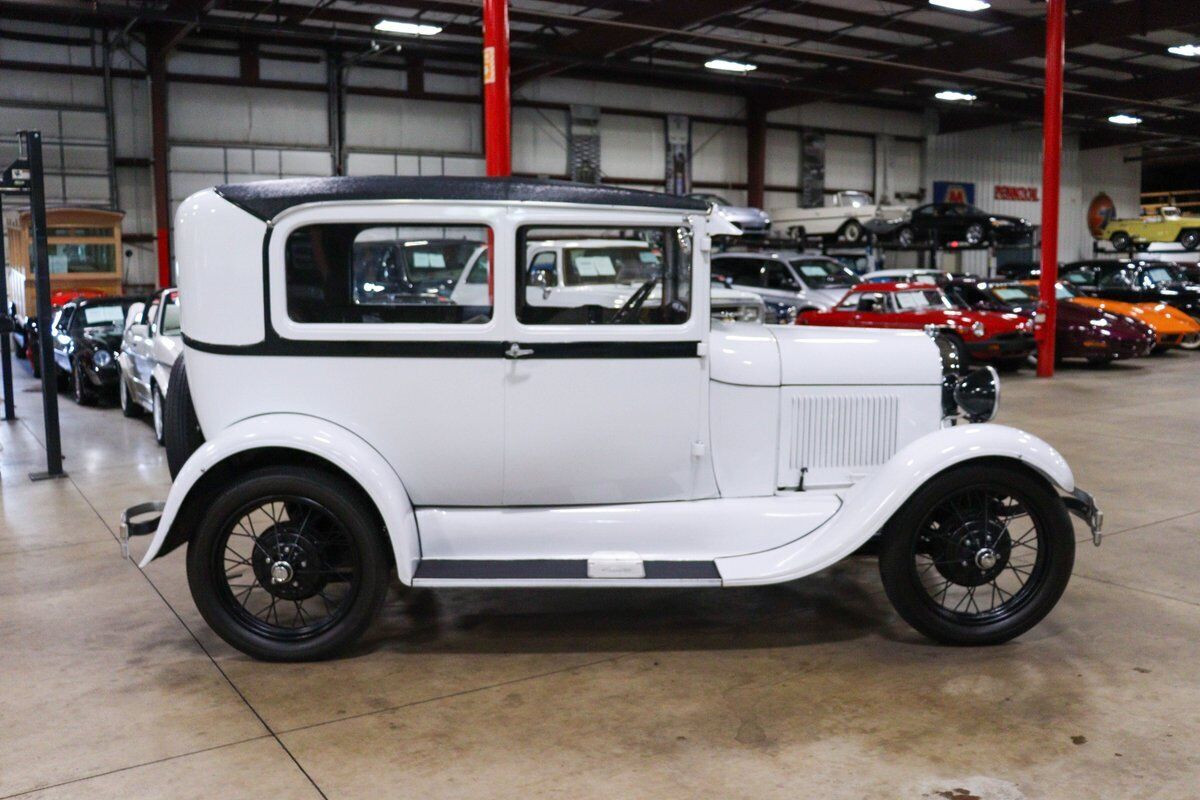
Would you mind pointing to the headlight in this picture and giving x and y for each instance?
(978, 395)
(102, 358)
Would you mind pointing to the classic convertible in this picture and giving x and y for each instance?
(523, 445)
(1079, 332)
(1002, 338)
(1135, 281)
(1172, 327)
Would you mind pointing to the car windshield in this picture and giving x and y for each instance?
(1015, 295)
(1161, 274)
(916, 300)
(820, 273)
(94, 316)
(1064, 291)
(856, 199)
(713, 198)
(598, 265)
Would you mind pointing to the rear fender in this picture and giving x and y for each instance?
(315, 437)
(870, 503)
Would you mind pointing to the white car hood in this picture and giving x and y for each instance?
(795, 355)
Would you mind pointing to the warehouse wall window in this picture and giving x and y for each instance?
(388, 273)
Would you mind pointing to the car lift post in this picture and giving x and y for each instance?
(1051, 167)
(25, 176)
(6, 329)
(497, 104)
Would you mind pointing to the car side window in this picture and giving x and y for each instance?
(170, 314)
(612, 276)
(1080, 276)
(382, 273)
(778, 276)
(872, 302)
(743, 271)
(1115, 279)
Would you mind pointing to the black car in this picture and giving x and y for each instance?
(946, 223)
(1136, 281)
(87, 338)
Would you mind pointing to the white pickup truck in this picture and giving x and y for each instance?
(844, 217)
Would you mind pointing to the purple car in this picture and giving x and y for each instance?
(1081, 331)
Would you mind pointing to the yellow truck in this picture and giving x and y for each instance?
(1168, 225)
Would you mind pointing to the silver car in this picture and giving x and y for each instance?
(751, 221)
(788, 282)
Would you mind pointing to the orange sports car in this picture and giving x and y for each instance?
(1172, 327)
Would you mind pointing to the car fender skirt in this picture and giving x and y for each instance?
(870, 503)
(315, 437)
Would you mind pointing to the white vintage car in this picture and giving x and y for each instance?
(151, 343)
(578, 272)
(522, 445)
(845, 217)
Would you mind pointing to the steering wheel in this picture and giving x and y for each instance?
(635, 302)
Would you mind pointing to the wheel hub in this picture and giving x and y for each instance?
(973, 553)
(287, 563)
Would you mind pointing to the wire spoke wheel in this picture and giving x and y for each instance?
(977, 555)
(287, 568)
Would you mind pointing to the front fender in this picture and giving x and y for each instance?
(870, 503)
(333, 443)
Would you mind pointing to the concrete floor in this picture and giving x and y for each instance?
(112, 686)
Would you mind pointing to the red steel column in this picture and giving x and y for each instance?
(497, 122)
(1051, 170)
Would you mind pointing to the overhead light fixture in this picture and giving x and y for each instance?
(961, 5)
(1188, 50)
(722, 65)
(1124, 119)
(951, 96)
(407, 28)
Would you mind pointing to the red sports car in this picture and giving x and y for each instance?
(1004, 339)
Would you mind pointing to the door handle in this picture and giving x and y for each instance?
(516, 351)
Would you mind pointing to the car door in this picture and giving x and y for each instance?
(605, 406)
(143, 355)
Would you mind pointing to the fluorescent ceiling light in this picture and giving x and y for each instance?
(1124, 119)
(1189, 50)
(961, 5)
(729, 66)
(954, 97)
(407, 28)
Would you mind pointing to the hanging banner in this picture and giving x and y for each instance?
(679, 154)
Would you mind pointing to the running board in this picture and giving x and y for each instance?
(558, 572)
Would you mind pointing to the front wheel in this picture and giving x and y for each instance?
(287, 565)
(1121, 242)
(974, 234)
(1190, 239)
(1190, 342)
(156, 414)
(978, 555)
(80, 387)
(905, 237)
(129, 406)
(852, 232)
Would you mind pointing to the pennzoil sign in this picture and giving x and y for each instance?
(1026, 194)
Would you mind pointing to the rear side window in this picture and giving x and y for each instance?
(353, 272)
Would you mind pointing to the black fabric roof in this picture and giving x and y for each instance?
(267, 199)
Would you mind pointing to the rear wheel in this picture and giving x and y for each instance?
(1190, 239)
(129, 406)
(978, 555)
(852, 232)
(974, 234)
(156, 412)
(905, 236)
(287, 565)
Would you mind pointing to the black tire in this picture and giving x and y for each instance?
(1100, 362)
(852, 232)
(157, 414)
(932, 520)
(1190, 239)
(81, 388)
(1011, 364)
(181, 428)
(129, 406)
(1121, 241)
(906, 236)
(955, 343)
(345, 547)
(35, 361)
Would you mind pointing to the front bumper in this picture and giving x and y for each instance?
(1083, 505)
(1003, 346)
